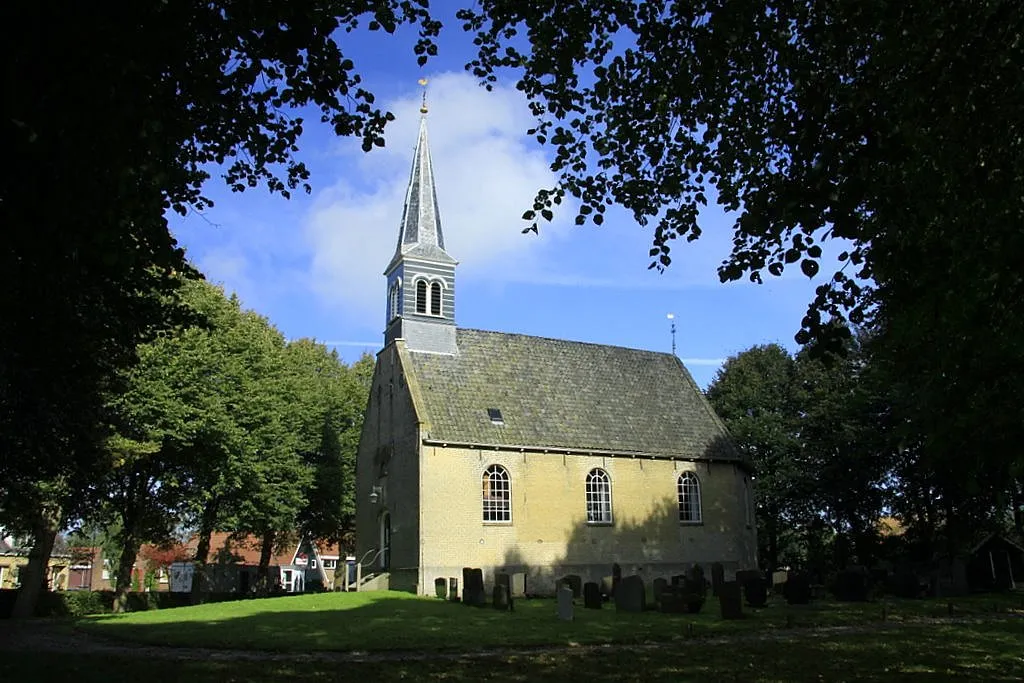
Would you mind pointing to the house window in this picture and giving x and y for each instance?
(689, 498)
(421, 296)
(330, 564)
(395, 300)
(599, 497)
(105, 574)
(435, 298)
(497, 495)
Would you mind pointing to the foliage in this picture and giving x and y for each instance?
(111, 117)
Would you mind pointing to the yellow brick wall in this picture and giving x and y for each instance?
(549, 536)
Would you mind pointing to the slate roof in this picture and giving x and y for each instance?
(564, 394)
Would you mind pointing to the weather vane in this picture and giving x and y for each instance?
(672, 318)
(423, 106)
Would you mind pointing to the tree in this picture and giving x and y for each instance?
(893, 128)
(754, 394)
(111, 117)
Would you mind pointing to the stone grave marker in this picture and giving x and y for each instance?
(730, 600)
(717, 576)
(503, 579)
(660, 587)
(453, 589)
(756, 591)
(606, 586)
(500, 598)
(441, 588)
(798, 589)
(779, 580)
(630, 595)
(473, 587)
(591, 595)
(565, 603)
(616, 577)
(574, 582)
(517, 585)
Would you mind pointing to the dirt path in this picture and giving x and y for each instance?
(43, 635)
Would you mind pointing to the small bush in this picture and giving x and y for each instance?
(82, 603)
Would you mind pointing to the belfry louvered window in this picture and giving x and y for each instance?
(599, 497)
(689, 498)
(497, 495)
(421, 296)
(395, 301)
(435, 298)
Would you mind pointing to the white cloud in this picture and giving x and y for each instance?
(486, 173)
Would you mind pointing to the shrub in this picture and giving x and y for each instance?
(81, 603)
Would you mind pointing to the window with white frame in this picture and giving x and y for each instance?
(599, 497)
(395, 300)
(435, 298)
(497, 495)
(688, 487)
(330, 564)
(421, 296)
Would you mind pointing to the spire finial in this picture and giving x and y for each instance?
(423, 106)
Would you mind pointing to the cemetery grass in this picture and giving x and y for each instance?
(390, 621)
(988, 650)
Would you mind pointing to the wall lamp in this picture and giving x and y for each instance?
(375, 494)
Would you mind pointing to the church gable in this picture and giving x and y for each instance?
(520, 391)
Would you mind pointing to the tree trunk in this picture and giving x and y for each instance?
(199, 578)
(266, 552)
(34, 574)
(129, 551)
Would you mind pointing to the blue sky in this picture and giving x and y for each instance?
(313, 264)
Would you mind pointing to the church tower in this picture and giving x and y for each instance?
(421, 275)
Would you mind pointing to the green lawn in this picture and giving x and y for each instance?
(983, 651)
(399, 621)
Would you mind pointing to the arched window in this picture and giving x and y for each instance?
(395, 301)
(497, 495)
(435, 298)
(689, 498)
(599, 497)
(421, 296)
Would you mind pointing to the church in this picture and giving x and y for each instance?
(515, 453)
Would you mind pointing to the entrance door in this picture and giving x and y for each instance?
(385, 541)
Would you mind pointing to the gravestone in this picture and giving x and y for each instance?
(503, 579)
(517, 585)
(500, 598)
(660, 586)
(676, 600)
(717, 577)
(574, 582)
(565, 603)
(745, 575)
(453, 589)
(630, 595)
(730, 600)
(616, 577)
(591, 595)
(797, 590)
(441, 588)
(606, 586)
(779, 580)
(473, 587)
(756, 591)
(679, 579)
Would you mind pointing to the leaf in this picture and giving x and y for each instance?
(809, 267)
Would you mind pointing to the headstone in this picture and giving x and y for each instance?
(616, 577)
(676, 600)
(517, 585)
(503, 579)
(500, 598)
(453, 589)
(745, 575)
(717, 577)
(591, 595)
(660, 586)
(574, 582)
(679, 579)
(565, 603)
(630, 596)
(756, 591)
(779, 580)
(730, 600)
(798, 589)
(473, 587)
(606, 586)
(441, 588)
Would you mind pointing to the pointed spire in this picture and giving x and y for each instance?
(419, 233)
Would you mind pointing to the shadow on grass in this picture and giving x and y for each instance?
(398, 621)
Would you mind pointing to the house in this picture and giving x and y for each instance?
(296, 566)
(996, 563)
(523, 454)
(14, 557)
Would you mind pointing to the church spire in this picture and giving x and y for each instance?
(421, 274)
